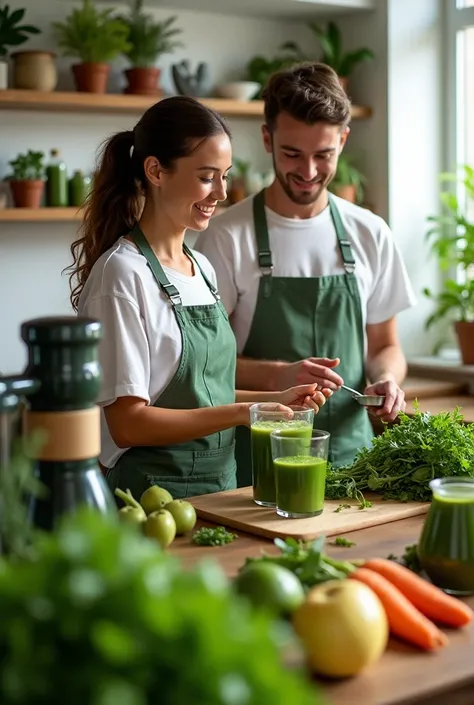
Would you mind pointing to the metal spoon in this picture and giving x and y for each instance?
(365, 399)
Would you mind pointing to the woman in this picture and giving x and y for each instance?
(168, 353)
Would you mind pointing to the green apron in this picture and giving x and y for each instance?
(205, 377)
(296, 318)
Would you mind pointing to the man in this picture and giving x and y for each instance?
(312, 283)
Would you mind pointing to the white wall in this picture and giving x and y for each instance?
(33, 255)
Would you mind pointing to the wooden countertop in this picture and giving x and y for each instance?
(404, 675)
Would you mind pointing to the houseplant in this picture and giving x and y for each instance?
(259, 68)
(27, 179)
(95, 37)
(12, 34)
(148, 40)
(452, 241)
(333, 55)
(349, 181)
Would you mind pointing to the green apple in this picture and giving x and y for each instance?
(184, 515)
(132, 515)
(343, 628)
(160, 526)
(155, 498)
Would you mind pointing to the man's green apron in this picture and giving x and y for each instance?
(205, 377)
(296, 318)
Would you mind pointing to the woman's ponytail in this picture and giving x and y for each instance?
(111, 209)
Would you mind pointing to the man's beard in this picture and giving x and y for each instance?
(300, 197)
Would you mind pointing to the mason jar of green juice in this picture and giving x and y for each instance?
(263, 420)
(446, 545)
(300, 466)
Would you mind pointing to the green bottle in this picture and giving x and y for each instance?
(79, 187)
(56, 182)
(61, 382)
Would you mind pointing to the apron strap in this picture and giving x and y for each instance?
(211, 286)
(344, 244)
(158, 272)
(265, 261)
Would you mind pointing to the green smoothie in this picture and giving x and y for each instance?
(300, 484)
(446, 546)
(263, 472)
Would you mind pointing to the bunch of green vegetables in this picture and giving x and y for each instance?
(307, 561)
(404, 459)
(102, 616)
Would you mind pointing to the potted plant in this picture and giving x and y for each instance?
(238, 180)
(148, 40)
(333, 54)
(95, 37)
(452, 240)
(349, 181)
(259, 68)
(27, 180)
(12, 34)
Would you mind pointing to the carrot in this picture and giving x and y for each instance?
(404, 619)
(429, 599)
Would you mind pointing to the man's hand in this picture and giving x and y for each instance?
(304, 395)
(313, 370)
(394, 399)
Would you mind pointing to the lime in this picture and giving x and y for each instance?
(271, 586)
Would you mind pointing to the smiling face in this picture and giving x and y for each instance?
(304, 156)
(189, 192)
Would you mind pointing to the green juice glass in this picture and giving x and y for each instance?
(446, 545)
(300, 473)
(263, 420)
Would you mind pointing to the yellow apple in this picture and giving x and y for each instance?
(343, 628)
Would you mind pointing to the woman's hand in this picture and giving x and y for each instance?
(304, 395)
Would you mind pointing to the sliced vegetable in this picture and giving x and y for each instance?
(207, 536)
(405, 620)
(425, 596)
(341, 541)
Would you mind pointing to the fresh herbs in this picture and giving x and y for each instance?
(307, 561)
(102, 600)
(406, 457)
(409, 559)
(341, 507)
(213, 537)
(341, 541)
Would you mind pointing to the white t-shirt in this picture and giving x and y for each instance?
(305, 248)
(141, 345)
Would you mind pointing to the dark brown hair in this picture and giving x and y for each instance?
(308, 92)
(171, 129)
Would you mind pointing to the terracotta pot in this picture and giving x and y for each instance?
(35, 70)
(143, 81)
(344, 81)
(465, 334)
(237, 191)
(91, 77)
(3, 75)
(27, 194)
(348, 193)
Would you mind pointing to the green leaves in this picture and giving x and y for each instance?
(12, 33)
(217, 536)
(403, 460)
(333, 55)
(149, 40)
(29, 166)
(149, 632)
(93, 35)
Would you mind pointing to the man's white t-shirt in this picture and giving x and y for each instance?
(305, 248)
(141, 345)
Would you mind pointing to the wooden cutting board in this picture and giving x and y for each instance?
(237, 509)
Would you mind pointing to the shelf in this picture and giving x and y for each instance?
(39, 215)
(282, 9)
(48, 215)
(61, 101)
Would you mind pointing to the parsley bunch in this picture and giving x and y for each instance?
(404, 459)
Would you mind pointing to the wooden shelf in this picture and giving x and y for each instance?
(69, 102)
(49, 215)
(39, 215)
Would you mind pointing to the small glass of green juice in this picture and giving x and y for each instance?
(446, 545)
(300, 473)
(263, 420)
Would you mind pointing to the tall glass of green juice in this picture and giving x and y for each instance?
(446, 545)
(300, 473)
(263, 420)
